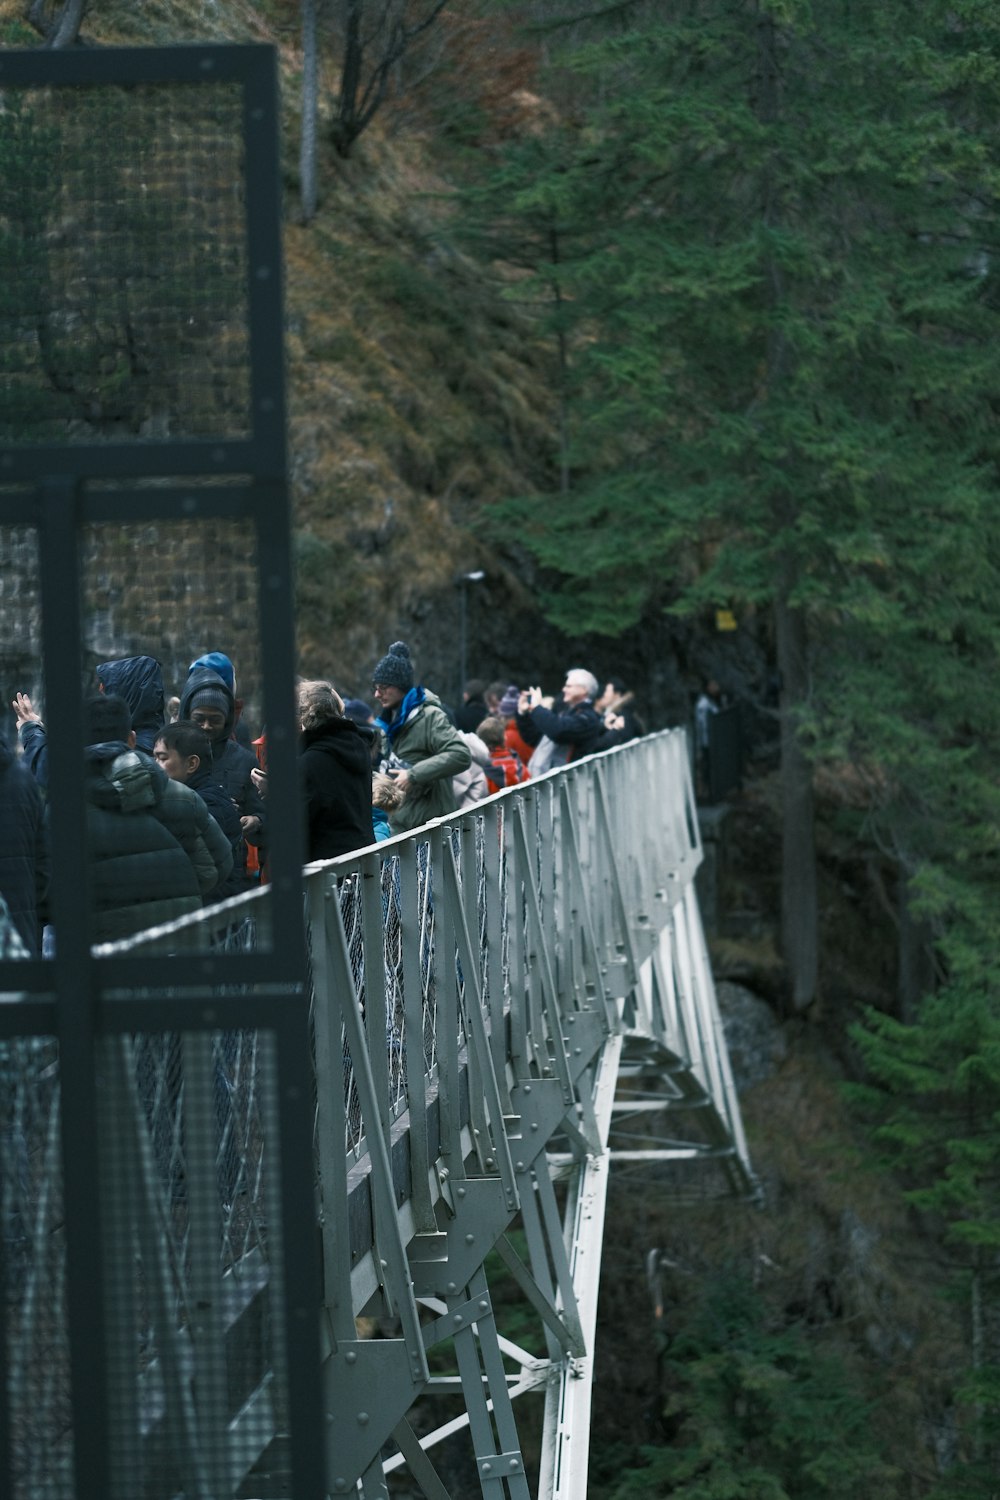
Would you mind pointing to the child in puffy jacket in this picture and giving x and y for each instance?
(505, 766)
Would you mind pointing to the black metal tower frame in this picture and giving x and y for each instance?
(80, 998)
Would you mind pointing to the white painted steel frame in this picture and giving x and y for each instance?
(496, 998)
(587, 926)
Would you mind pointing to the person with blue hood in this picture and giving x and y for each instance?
(424, 748)
(219, 662)
(208, 700)
(136, 679)
(139, 680)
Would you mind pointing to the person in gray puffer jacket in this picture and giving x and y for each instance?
(154, 848)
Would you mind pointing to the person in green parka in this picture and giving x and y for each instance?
(424, 748)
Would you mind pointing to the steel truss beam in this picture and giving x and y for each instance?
(606, 988)
(504, 1004)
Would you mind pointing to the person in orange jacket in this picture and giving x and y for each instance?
(505, 766)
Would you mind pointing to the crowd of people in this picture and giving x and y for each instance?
(176, 789)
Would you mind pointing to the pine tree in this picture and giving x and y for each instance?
(781, 333)
(934, 1100)
(756, 1412)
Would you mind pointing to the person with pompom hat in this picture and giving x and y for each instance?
(423, 747)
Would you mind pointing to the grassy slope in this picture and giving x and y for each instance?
(415, 395)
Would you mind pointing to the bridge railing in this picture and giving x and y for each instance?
(473, 986)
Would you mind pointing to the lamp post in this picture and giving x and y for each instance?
(464, 579)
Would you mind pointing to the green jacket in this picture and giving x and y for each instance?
(435, 751)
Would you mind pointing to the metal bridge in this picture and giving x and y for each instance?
(505, 1006)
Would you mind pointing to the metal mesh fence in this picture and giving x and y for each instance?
(123, 304)
(171, 590)
(141, 389)
(189, 1194)
(33, 1264)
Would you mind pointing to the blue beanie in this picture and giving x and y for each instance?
(219, 664)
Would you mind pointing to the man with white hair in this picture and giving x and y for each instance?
(574, 728)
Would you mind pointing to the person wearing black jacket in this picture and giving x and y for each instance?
(575, 728)
(474, 709)
(154, 849)
(24, 848)
(335, 765)
(184, 754)
(208, 700)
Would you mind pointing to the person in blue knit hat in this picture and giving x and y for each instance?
(424, 748)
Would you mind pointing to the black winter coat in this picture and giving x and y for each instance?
(579, 727)
(24, 851)
(223, 810)
(148, 862)
(335, 766)
(231, 765)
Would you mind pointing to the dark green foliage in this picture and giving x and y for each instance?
(754, 1411)
(762, 249)
(758, 251)
(934, 1102)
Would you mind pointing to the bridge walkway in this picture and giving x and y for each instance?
(504, 1006)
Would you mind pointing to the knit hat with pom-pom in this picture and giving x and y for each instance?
(395, 669)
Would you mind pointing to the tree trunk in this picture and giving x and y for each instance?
(916, 959)
(310, 106)
(799, 915)
(563, 369)
(350, 79)
(67, 28)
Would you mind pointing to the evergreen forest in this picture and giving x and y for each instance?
(661, 314)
